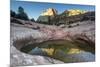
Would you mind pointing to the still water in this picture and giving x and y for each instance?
(61, 50)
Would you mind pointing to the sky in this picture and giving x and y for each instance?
(34, 9)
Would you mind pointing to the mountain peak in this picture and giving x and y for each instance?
(49, 12)
(72, 12)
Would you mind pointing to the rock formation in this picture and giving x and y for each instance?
(23, 34)
(47, 16)
(72, 12)
(49, 12)
(75, 12)
(69, 17)
(51, 17)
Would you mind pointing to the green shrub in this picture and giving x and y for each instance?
(21, 14)
(12, 13)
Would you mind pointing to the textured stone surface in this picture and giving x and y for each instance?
(45, 32)
(19, 58)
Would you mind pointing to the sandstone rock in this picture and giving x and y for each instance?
(72, 12)
(19, 32)
(73, 16)
(18, 58)
(49, 12)
(47, 16)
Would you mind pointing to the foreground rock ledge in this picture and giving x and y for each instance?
(19, 58)
(19, 31)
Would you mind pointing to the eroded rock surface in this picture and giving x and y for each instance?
(39, 33)
(19, 58)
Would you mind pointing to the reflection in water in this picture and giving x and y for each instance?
(61, 50)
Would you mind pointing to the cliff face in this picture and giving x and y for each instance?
(47, 16)
(71, 12)
(69, 17)
(51, 17)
